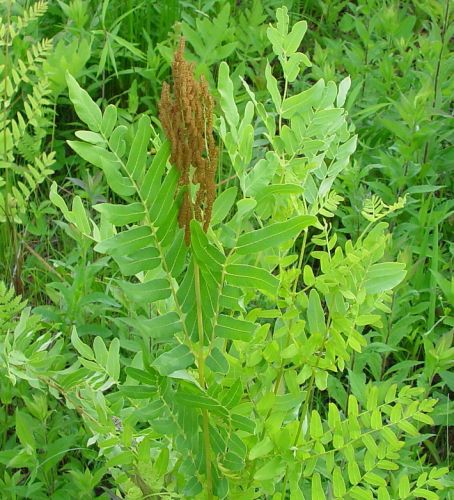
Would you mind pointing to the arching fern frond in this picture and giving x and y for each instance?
(24, 121)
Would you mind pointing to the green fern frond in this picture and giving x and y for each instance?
(325, 239)
(375, 209)
(327, 206)
(28, 146)
(12, 78)
(32, 175)
(13, 130)
(18, 25)
(10, 307)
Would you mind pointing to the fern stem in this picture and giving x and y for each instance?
(201, 367)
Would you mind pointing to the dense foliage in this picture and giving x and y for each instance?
(226, 249)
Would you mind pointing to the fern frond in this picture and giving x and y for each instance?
(18, 25)
(327, 206)
(28, 146)
(375, 209)
(10, 307)
(325, 239)
(24, 113)
(34, 57)
(33, 175)
(14, 130)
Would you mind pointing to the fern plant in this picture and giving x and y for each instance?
(24, 113)
(240, 334)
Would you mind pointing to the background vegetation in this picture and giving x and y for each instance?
(303, 346)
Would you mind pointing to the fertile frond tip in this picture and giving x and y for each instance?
(186, 114)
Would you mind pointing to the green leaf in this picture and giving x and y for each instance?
(423, 493)
(274, 470)
(138, 154)
(384, 276)
(243, 423)
(146, 259)
(24, 431)
(106, 161)
(223, 204)
(383, 494)
(316, 427)
(272, 86)
(338, 483)
(202, 401)
(113, 359)
(261, 449)
(123, 458)
(128, 241)
(178, 358)
(354, 474)
(207, 255)
(162, 462)
(308, 276)
(295, 37)
(404, 486)
(141, 392)
(344, 86)
(109, 120)
(161, 327)
(245, 276)
(315, 314)
(91, 137)
(302, 102)
(407, 427)
(225, 87)
(374, 479)
(59, 202)
(149, 291)
(276, 39)
(261, 175)
(151, 184)
(233, 395)
(216, 362)
(358, 493)
(273, 235)
(100, 351)
(87, 110)
(317, 492)
(83, 349)
(234, 328)
(79, 216)
(120, 215)
(146, 378)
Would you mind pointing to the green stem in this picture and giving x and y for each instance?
(433, 281)
(307, 401)
(437, 74)
(280, 374)
(201, 367)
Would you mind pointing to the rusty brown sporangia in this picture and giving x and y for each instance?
(186, 113)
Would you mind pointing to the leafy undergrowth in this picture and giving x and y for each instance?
(237, 284)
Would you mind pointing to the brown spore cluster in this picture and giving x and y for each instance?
(186, 114)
